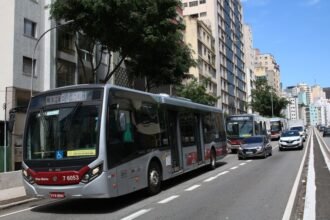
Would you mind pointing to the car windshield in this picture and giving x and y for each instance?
(63, 133)
(253, 140)
(297, 128)
(290, 133)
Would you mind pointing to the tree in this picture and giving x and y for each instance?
(196, 92)
(144, 32)
(262, 98)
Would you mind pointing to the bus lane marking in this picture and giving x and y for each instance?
(249, 161)
(136, 214)
(290, 203)
(234, 168)
(323, 150)
(192, 188)
(168, 199)
(242, 164)
(310, 198)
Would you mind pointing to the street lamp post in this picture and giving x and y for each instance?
(35, 47)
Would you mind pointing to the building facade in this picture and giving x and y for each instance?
(225, 18)
(266, 66)
(29, 66)
(198, 36)
(249, 57)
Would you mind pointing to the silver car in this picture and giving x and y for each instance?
(255, 146)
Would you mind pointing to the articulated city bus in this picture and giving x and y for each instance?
(102, 141)
(242, 126)
(277, 125)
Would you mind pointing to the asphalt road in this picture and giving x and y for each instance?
(249, 189)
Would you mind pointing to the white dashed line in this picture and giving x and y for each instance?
(249, 161)
(210, 179)
(168, 199)
(233, 168)
(192, 188)
(136, 214)
(242, 164)
(220, 174)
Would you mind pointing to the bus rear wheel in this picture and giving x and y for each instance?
(154, 178)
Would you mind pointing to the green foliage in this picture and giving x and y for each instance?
(262, 98)
(197, 92)
(144, 31)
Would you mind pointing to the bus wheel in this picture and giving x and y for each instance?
(212, 160)
(154, 179)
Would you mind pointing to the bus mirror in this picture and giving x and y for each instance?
(122, 121)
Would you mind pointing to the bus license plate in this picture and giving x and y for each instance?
(57, 195)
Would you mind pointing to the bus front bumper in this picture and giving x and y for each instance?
(97, 188)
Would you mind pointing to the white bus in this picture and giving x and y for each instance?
(241, 126)
(102, 141)
(277, 126)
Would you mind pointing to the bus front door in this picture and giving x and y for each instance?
(175, 147)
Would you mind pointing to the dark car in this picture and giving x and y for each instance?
(326, 132)
(255, 146)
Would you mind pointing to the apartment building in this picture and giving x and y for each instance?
(29, 66)
(266, 66)
(198, 36)
(225, 18)
(317, 93)
(249, 57)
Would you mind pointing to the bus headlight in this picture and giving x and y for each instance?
(92, 174)
(27, 176)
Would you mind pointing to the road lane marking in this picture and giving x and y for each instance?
(168, 199)
(210, 179)
(310, 198)
(324, 153)
(234, 168)
(289, 205)
(222, 173)
(136, 214)
(192, 188)
(249, 161)
(242, 164)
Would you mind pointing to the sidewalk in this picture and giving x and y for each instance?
(13, 196)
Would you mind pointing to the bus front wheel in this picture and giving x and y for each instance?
(154, 178)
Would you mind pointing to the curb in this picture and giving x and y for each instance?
(26, 200)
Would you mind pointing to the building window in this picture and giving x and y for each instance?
(185, 4)
(27, 65)
(65, 73)
(193, 3)
(202, 14)
(65, 41)
(202, 1)
(30, 28)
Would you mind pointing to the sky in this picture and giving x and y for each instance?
(296, 33)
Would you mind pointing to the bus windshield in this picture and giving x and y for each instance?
(63, 133)
(275, 126)
(240, 128)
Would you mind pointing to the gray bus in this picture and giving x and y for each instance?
(102, 141)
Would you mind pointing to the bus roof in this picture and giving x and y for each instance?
(160, 98)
